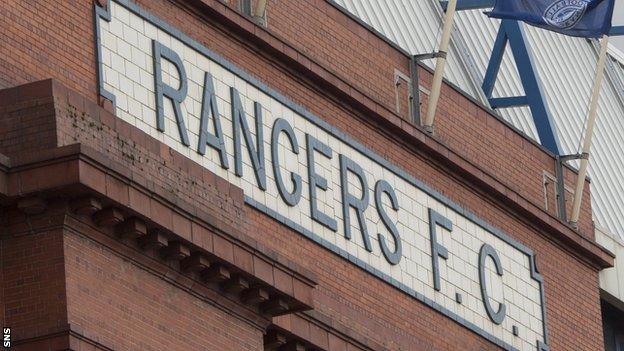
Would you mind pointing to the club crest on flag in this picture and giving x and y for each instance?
(565, 14)
(578, 18)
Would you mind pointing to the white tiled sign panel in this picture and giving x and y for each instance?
(125, 44)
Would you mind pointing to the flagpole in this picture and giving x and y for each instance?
(593, 114)
(440, 64)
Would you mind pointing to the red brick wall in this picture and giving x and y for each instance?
(331, 38)
(55, 278)
(57, 41)
(48, 39)
(33, 276)
(133, 308)
(26, 125)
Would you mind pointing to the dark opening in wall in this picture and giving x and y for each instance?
(613, 326)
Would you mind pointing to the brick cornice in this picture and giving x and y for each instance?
(78, 171)
(151, 263)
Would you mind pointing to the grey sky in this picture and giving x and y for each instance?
(618, 19)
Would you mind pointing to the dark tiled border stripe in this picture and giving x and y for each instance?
(132, 7)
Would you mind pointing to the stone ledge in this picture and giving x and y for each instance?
(73, 170)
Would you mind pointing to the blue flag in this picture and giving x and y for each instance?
(578, 18)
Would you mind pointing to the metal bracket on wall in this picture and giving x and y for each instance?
(400, 77)
(431, 55)
(415, 59)
(258, 14)
(560, 160)
(244, 6)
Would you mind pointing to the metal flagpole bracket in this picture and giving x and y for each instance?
(415, 60)
(431, 55)
(560, 160)
(416, 88)
(579, 156)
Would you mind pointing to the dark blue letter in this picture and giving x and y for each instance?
(209, 107)
(488, 251)
(348, 200)
(382, 187)
(176, 95)
(239, 122)
(282, 125)
(437, 250)
(316, 181)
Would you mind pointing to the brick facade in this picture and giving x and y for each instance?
(113, 240)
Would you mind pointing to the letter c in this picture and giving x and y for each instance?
(281, 125)
(488, 251)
